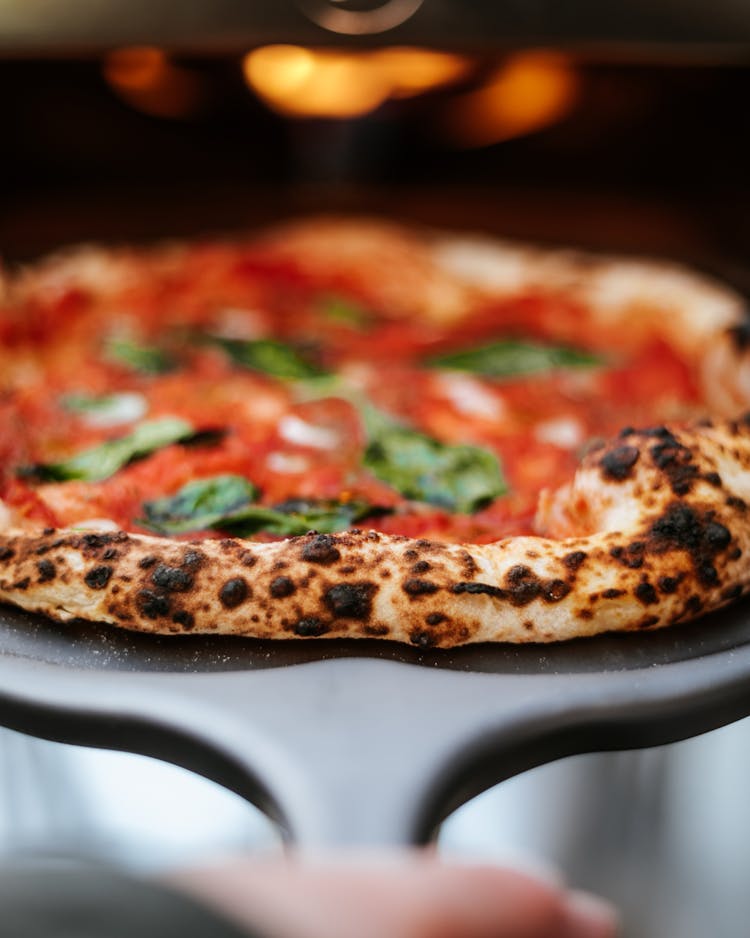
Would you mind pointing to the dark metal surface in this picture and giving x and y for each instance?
(354, 743)
(88, 26)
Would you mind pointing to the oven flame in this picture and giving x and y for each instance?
(144, 77)
(301, 82)
(529, 91)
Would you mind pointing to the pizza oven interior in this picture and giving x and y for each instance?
(613, 127)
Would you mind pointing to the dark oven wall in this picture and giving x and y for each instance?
(633, 157)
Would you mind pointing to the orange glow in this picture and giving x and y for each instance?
(528, 92)
(328, 83)
(144, 77)
(412, 71)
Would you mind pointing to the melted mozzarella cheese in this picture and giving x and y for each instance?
(297, 431)
(565, 432)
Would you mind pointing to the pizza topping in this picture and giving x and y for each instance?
(149, 360)
(107, 410)
(338, 309)
(507, 358)
(269, 356)
(103, 461)
(461, 478)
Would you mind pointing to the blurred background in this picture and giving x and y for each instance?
(643, 152)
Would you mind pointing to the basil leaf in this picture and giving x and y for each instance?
(460, 478)
(347, 312)
(224, 502)
(199, 505)
(148, 359)
(102, 461)
(108, 409)
(269, 356)
(508, 358)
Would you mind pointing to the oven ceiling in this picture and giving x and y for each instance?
(720, 28)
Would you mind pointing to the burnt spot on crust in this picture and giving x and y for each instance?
(682, 528)
(676, 462)
(669, 584)
(22, 584)
(194, 559)
(435, 618)
(734, 501)
(350, 600)
(422, 638)
(629, 555)
(574, 560)
(421, 566)
(732, 592)
(309, 627)
(233, 593)
(713, 478)
(612, 594)
(523, 585)
(152, 605)
(479, 589)
(6, 552)
(648, 622)
(646, 593)
(48, 531)
(46, 570)
(416, 587)
(248, 559)
(97, 577)
(148, 561)
(469, 564)
(281, 586)
(554, 590)
(171, 579)
(321, 549)
(618, 463)
(376, 631)
(185, 619)
(110, 554)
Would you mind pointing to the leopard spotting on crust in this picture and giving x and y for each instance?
(653, 530)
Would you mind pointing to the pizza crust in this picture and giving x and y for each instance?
(653, 530)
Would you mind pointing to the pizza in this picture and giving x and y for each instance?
(354, 428)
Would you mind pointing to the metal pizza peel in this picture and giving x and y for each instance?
(357, 743)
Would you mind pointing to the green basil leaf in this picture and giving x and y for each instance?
(347, 312)
(107, 410)
(102, 461)
(269, 356)
(199, 505)
(508, 358)
(460, 478)
(150, 360)
(225, 503)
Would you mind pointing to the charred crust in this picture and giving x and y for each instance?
(411, 554)
(376, 631)
(321, 549)
(233, 593)
(97, 541)
(713, 478)
(735, 553)
(554, 590)
(612, 594)
(740, 335)
(646, 593)
(669, 584)
(435, 618)
(350, 600)
(676, 462)
(717, 535)
(694, 605)
(185, 619)
(479, 589)
(648, 622)
(6, 552)
(523, 585)
(281, 586)
(422, 638)
(46, 570)
(110, 554)
(416, 587)
(97, 577)
(171, 579)
(47, 531)
(631, 555)
(248, 559)
(732, 592)
(21, 584)
(618, 463)
(574, 560)
(421, 566)
(148, 561)
(733, 501)
(194, 559)
(469, 563)
(309, 627)
(682, 528)
(42, 549)
(152, 605)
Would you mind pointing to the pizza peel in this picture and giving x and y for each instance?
(357, 743)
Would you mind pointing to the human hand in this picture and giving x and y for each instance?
(400, 895)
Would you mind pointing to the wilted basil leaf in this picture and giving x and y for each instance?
(102, 461)
(347, 312)
(224, 502)
(107, 410)
(150, 360)
(511, 357)
(460, 478)
(269, 356)
(199, 505)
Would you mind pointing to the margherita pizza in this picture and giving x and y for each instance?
(344, 428)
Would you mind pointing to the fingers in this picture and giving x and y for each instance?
(403, 896)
